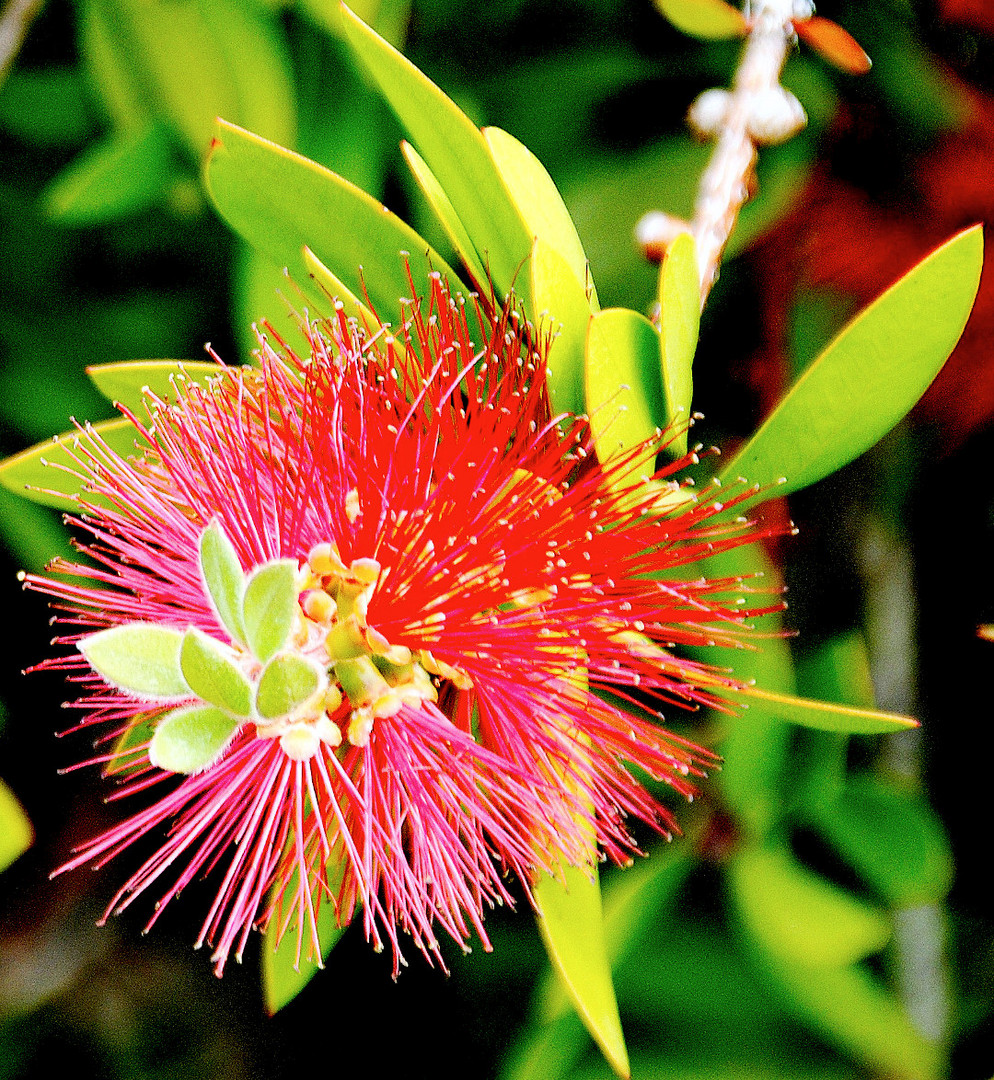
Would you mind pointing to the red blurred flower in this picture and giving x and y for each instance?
(484, 619)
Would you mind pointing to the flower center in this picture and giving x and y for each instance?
(367, 677)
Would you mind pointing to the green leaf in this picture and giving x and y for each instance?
(191, 739)
(257, 61)
(125, 382)
(16, 833)
(572, 927)
(41, 473)
(141, 658)
(446, 214)
(111, 65)
(177, 57)
(286, 683)
(455, 151)
(213, 675)
(270, 607)
(287, 965)
(623, 390)
(130, 746)
(282, 202)
(891, 838)
(223, 578)
(335, 288)
(558, 301)
(538, 202)
(799, 916)
(823, 715)
(708, 19)
(854, 1012)
(679, 324)
(126, 173)
(868, 378)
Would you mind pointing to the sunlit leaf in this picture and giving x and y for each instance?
(446, 214)
(824, 715)
(455, 151)
(679, 324)
(222, 575)
(289, 964)
(213, 674)
(338, 290)
(800, 916)
(572, 927)
(834, 44)
(270, 607)
(42, 472)
(176, 53)
(559, 303)
(189, 740)
(286, 683)
(125, 173)
(708, 19)
(125, 382)
(623, 390)
(538, 201)
(257, 60)
(16, 833)
(282, 202)
(868, 378)
(141, 658)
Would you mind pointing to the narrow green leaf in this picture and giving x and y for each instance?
(800, 916)
(213, 675)
(281, 202)
(288, 964)
(42, 472)
(708, 19)
(623, 391)
(853, 1011)
(125, 382)
(446, 214)
(257, 60)
(270, 607)
(572, 927)
(223, 579)
(868, 378)
(336, 289)
(16, 833)
(286, 683)
(125, 173)
(558, 301)
(454, 150)
(893, 840)
(110, 65)
(191, 739)
(178, 58)
(538, 202)
(679, 324)
(141, 658)
(823, 715)
(129, 746)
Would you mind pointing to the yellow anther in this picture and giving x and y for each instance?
(352, 508)
(328, 731)
(360, 727)
(319, 606)
(324, 560)
(300, 742)
(366, 571)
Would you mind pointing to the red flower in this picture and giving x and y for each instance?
(396, 626)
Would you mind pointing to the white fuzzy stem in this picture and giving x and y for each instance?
(724, 187)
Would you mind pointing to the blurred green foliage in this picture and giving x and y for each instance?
(803, 927)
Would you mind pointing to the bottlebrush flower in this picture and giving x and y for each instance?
(398, 630)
